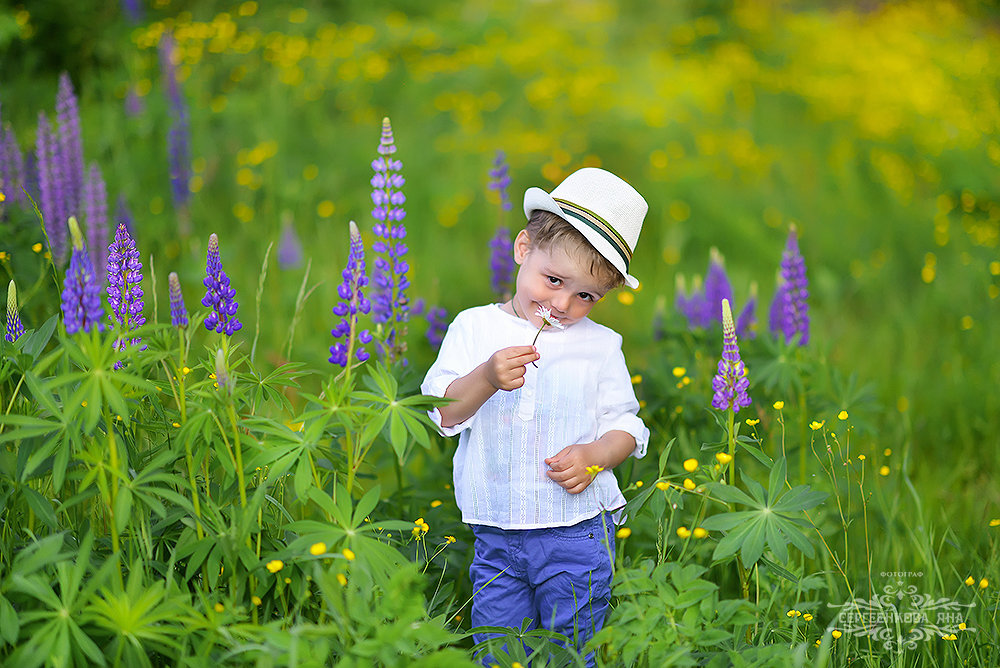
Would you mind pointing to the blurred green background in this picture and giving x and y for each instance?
(873, 127)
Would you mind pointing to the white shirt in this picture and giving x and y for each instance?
(580, 391)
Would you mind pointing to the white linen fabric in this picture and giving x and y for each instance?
(580, 390)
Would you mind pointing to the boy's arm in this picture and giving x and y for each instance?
(504, 370)
(569, 466)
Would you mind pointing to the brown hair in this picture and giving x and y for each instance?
(546, 230)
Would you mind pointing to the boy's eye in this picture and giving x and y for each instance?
(554, 281)
(587, 297)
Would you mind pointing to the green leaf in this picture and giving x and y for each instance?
(776, 541)
(754, 451)
(730, 494)
(10, 625)
(753, 543)
(799, 498)
(41, 506)
(366, 505)
(303, 477)
(727, 521)
(776, 481)
(397, 434)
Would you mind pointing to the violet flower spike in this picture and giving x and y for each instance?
(289, 248)
(790, 309)
(437, 319)
(95, 215)
(51, 195)
(13, 328)
(730, 384)
(717, 286)
(389, 299)
(502, 263)
(81, 295)
(500, 179)
(352, 303)
(124, 291)
(219, 294)
(746, 321)
(70, 146)
(178, 313)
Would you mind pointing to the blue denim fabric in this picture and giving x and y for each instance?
(559, 577)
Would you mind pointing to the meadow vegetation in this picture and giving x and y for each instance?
(195, 470)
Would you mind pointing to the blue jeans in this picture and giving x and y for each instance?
(559, 577)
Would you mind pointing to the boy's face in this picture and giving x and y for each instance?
(552, 278)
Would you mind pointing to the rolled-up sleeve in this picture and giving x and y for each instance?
(453, 361)
(617, 406)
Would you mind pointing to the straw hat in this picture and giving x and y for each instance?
(605, 209)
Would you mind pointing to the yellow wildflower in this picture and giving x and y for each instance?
(807, 617)
(516, 664)
(778, 405)
(792, 613)
(724, 457)
(961, 627)
(663, 486)
(219, 607)
(884, 470)
(818, 642)
(689, 484)
(348, 553)
(317, 549)
(275, 565)
(186, 370)
(342, 579)
(449, 539)
(691, 465)
(624, 532)
(638, 483)
(836, 634)
(435, 503)
(814, 425)
(37, 247)
(679, 371)
(970, 581)
(595, 469)
(753, 422)
(256, 600)
(683, 532)
(984, 583)
(636, 379)
(842, 415)
(951, 636)
(177, 425)
(861, 457)
(887, 452)
(995, 523)
(699, 532)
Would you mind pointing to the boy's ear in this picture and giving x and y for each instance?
(522, 246)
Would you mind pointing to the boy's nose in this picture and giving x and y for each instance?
(559, 305)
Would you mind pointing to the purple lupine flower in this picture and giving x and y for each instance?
(51, 196)
(717, 285)
(289, 248)
(219, 295)
(124, 291)
(14, 327)
(389, 276)
(437, 321)
(502, 263)
(134, 105)
(133, 10)
(499, 180)
(178, 313)
(746, 321)
(178, 136)
(352, 303)
(95, 215)
(730, 383)
(693, 305)
(70, 145)
(81, 295)
(124, 215)
(790, 308)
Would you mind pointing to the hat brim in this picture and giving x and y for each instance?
(536, 199)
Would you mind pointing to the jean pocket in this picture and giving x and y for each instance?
(592, 530)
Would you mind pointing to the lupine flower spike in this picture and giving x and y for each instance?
(730, 383)
(178, 313)
(289, 248)
(746, 321)
(124, 293)
(717, 285)
(389, 298)
(437, 320)
(790, 309)
(219, 295)
(352, 303)
(81, 295)
(14, 328)
(502, 256)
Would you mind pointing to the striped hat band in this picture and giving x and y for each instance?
(599, 225)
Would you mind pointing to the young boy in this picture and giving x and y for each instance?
(543, 425)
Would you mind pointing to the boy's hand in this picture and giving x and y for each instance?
(505, 368)
(569, 467)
